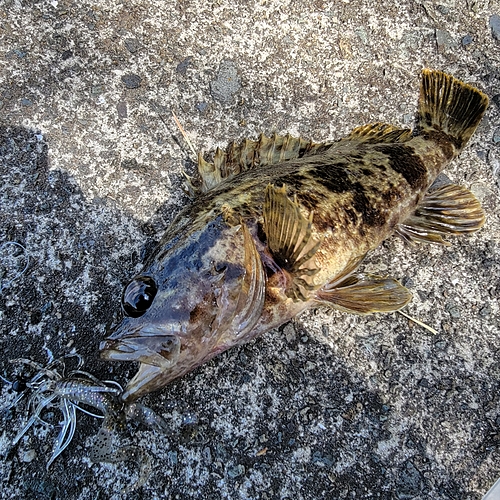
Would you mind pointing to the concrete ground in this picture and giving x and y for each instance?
(329, 406)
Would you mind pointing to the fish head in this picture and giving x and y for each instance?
(197, 296)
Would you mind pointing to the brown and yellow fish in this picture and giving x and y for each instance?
(281, 224)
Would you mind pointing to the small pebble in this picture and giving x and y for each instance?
(408, 282)
(289, 332)
(28, 456)
(207, 455)
(424, 383)
(132, 45)
(453, 309)
(26, 102)
(440, 345)
(496, 100)
(408, 118)
(202, 107)
(444, 40)
(495, 26)
(236, 471)
(485, 311)
(132, 81)
(121, 108)
(496, 136)
(183, 66)
(172, 457)
(467, 40)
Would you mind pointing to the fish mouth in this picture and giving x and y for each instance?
(156, 351)
(148, 345)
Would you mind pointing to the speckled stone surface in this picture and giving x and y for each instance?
(328, 406)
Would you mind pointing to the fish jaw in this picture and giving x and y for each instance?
(161, 351)
(148, 378)
(157, 352)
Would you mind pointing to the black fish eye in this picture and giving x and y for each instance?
(138, 296)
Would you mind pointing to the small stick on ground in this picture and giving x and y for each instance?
(186, 138)
(420, 323)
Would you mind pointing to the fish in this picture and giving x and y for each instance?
(281, 224)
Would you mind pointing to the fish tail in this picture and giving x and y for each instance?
(447, 105)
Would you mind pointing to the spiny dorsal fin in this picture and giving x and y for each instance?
(450, 209)
(365, 294)
(289, 239)
(378, 133)
(209, 173)
(250, 154)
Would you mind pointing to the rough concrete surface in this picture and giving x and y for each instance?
(328, 406)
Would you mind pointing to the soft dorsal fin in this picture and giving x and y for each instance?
(289, 239)
(250, 154)
(364, 294)
(450, 209)
(377, 133)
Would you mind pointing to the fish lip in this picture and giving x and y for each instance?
(119, 346)
(127, 330)
(112, 350)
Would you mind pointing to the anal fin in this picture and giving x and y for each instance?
(450, 209)
(365, 294)
(289, 239)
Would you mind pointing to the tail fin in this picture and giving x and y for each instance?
(450, 106)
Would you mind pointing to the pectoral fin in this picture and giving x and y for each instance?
(365, 294)
(289, 239)
(450, 209)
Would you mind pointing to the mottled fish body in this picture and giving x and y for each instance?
(281, 224)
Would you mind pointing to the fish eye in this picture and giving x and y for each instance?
(138, 296)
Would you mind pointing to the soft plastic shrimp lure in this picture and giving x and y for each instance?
(51, 387)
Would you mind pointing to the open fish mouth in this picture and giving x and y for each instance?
(157, 355)
(161, 351)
